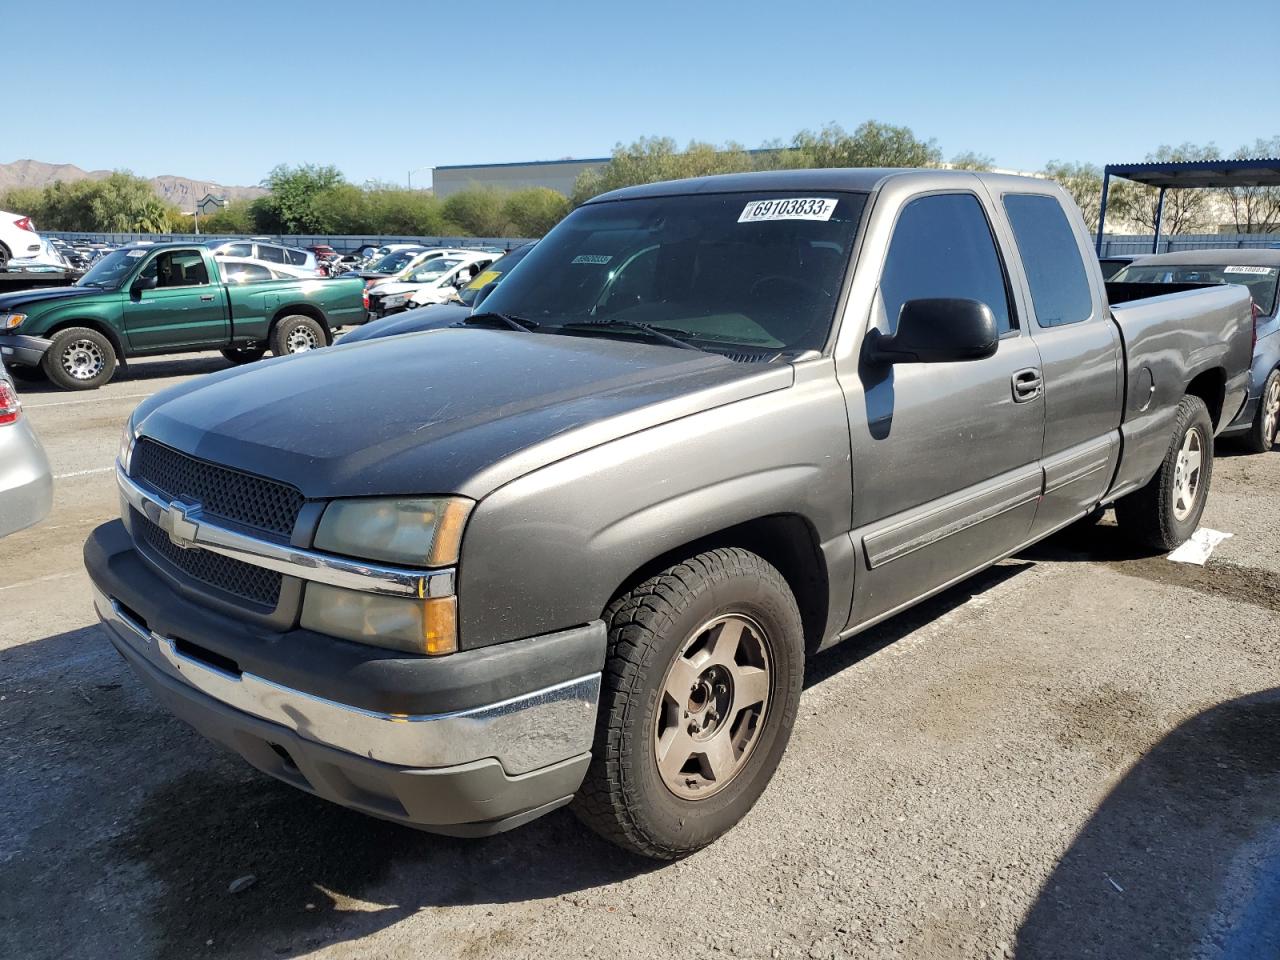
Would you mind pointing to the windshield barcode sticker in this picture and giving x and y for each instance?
(1261, 271)
(792, 208)
(596, 258)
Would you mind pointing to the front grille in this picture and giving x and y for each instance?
(235, 577)
(266, 505)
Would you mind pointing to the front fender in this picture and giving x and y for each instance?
(551, 548)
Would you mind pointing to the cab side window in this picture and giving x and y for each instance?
(180, 268)
(270, 254)
(1051, 258)
(942, 247)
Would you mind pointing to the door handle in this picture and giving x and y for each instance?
(206, 296)
(1027, 385)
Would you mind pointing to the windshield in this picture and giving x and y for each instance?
(393, 262)
(109, 272)
(432, 270)
(1261, 281)
(760, 271)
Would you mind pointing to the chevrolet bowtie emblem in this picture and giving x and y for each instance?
(181, 522)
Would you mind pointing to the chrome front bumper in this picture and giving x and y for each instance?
(524, 733)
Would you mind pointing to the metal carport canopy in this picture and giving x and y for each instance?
(1262, 172)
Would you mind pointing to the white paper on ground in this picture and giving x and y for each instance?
(1199, 547)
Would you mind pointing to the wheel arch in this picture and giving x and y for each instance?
(787, 541)
(304, 310)
(1211, 387)
(113, 335)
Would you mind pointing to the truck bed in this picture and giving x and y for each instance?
(1172, 333)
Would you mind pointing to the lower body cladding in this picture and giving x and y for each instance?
(23, 350)
(467, 771)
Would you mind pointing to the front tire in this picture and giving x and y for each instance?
(1165, 512)
(700, 692)
(297, 334)
(80, 359)
(1262, 432)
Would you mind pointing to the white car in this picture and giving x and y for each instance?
(245, 270)
(290, 261)
(435, 280)
(45, 257)
(18, 237)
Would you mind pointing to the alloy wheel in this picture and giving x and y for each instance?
(83, 359)
(1186, 475)
(714, 700)
(1271, 412)
(301, 339)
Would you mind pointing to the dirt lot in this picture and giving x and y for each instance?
(1077, 754)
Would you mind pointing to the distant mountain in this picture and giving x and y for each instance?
(181, 191)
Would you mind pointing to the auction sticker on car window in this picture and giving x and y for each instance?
(137, 253)
(791, 208)
(1260, 271)
(487, 277)
(597, 258)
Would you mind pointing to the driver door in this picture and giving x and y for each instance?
(184, 309)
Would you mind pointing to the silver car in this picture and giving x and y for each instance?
(26, 482)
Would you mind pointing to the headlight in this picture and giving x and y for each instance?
(11, 321)
(411, 531)
(427, 626)
(126, 444)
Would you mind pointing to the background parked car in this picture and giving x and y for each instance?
(241, 270)
(26, 482)
(288, 260)
(437, 315)
(1113, 265)
(1259, 270)
(18, 237)
(435, 279)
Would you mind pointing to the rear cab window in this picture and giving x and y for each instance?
(1060, 292)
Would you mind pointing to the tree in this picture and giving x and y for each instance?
(1084, 182)
(971, 161)
(1254, 209)
(534, 211)
(235, 217)
(651, 159)
(872, 144)
(290, 205)
(1185, 210)
(479, 212)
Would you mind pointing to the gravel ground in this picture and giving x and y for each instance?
(1072, 755)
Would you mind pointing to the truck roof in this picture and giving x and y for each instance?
(849, 179)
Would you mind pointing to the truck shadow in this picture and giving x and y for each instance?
(1183, 857)
(141, 370)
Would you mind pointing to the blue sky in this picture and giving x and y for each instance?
(226, 90)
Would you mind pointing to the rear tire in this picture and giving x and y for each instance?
(1261, 435)
(297, 334)
(706, 659)
(1165, 512)
(239, 355)
(80, 359)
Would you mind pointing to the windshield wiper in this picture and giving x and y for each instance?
(655, 332)
(510, 321)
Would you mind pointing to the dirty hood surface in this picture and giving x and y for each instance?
(445, 411)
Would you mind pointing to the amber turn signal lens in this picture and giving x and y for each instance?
(440, 626)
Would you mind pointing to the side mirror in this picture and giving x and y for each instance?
(483, 292)
(144, 283)
(940, 330)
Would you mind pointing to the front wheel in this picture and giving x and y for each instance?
(297, 334)
(79, 359)
(700, 692)
(1262, 432)
(1165, 512)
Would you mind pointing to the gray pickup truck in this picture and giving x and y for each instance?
(579, 548)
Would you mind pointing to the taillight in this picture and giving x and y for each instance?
(24, 223)
(1257, 315)
(364, 295)
(10, 408)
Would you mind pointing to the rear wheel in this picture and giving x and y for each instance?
(1167, 510)
(1262, 432)
(700, 692)
(297, 334)
(240, 355)
(80, 359)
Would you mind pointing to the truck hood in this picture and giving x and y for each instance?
(23, 298)
(445, 411)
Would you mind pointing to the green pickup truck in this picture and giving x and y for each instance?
(166, 298)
